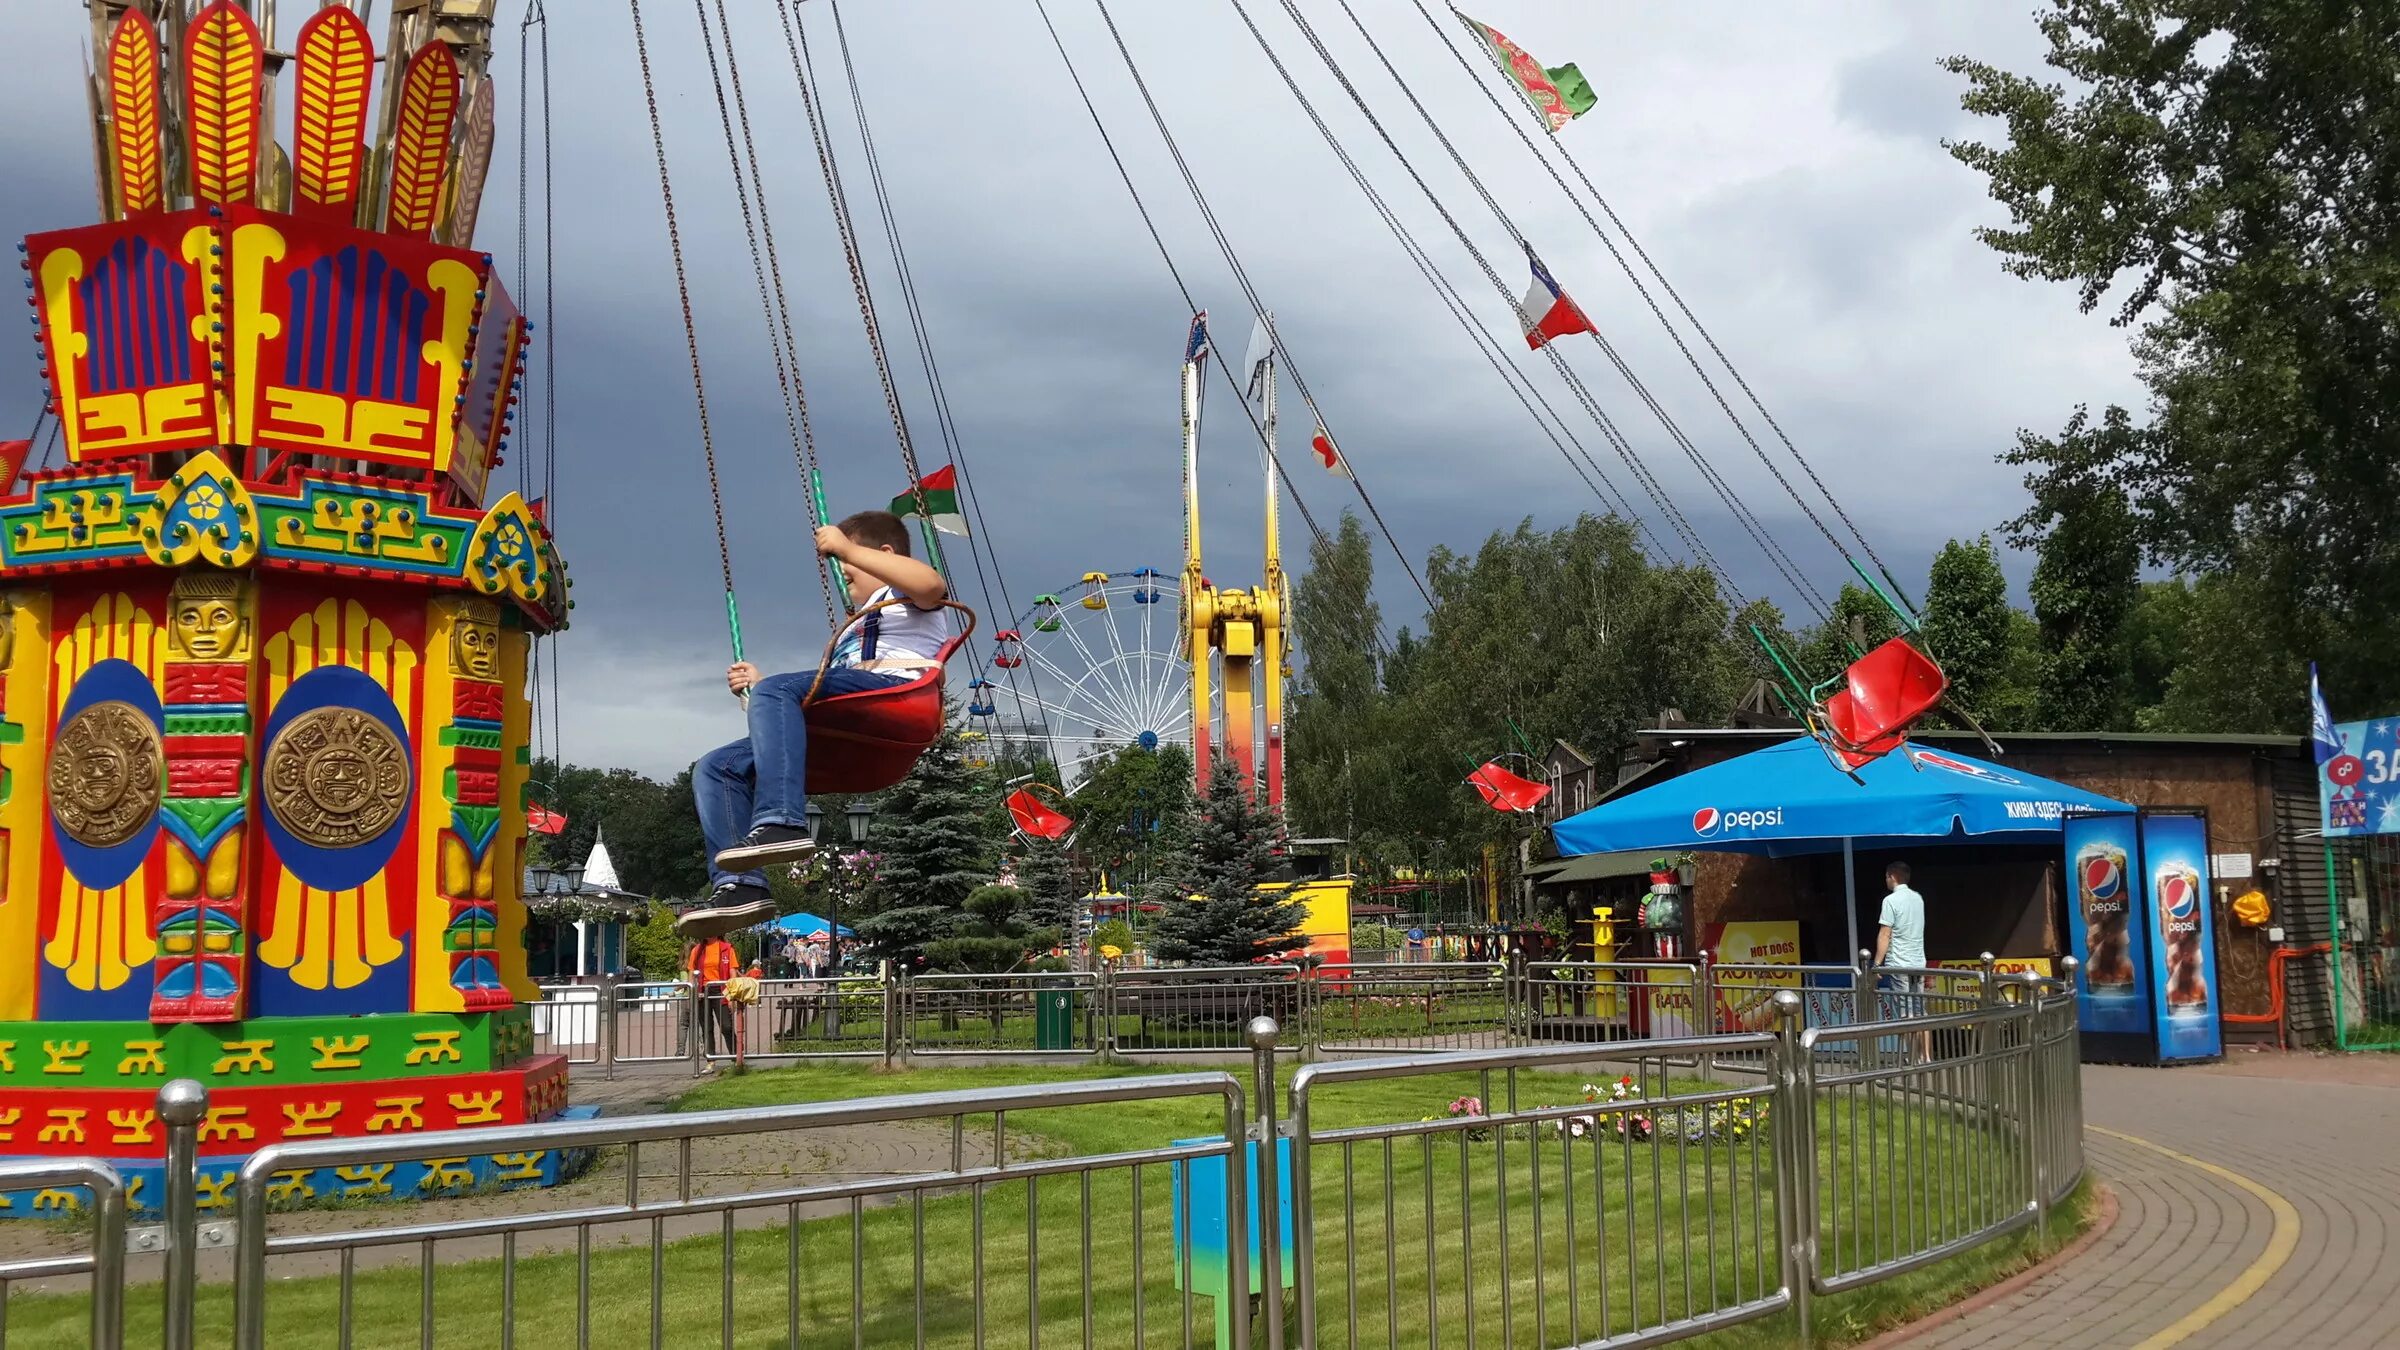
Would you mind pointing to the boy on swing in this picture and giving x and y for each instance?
(753, 794)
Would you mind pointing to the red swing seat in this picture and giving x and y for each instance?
(1886, 692)
(1505, 791)
(1035, 818)
(868, 740)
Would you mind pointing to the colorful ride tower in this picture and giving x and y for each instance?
(263, 723)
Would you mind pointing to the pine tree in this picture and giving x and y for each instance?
(937, 848)
(1047, 877)
(1226, 920)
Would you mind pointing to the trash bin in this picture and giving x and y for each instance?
(1054, 1019)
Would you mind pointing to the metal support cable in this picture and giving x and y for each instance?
(982, 544)
(1167, 255)
(691, 333)
(766, 266)
(1742, 513)
(1708, 339)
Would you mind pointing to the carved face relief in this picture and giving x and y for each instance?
(207, 619)
(475, 642)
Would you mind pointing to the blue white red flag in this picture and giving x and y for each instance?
(1546, 311)
(2326, 741)
(1196, 346)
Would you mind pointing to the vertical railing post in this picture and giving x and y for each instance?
(1704, 1007)
(606, 1032)
(1263, 1032)
(1795, 1161)
(696, 1017)
(1866, 1007)
(182, 1105)
(1516, 997)
(1237, 1218)
(2038, 1131)
(2067, 1082)
(1104, 1012)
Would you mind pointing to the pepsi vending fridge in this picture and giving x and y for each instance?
(2140, 924)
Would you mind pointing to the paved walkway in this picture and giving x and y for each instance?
(2259, 1205)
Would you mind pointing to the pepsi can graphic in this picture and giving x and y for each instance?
(2180, 914)
(2104, 900)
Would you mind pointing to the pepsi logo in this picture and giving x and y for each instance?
(2178, 894)
(1709, 820)
(2103, 877)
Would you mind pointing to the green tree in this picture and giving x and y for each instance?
(935, 834)
(1860, 623)
(1122, 803)
(653, 828)
(1046, 874)
(652, 946)
(993, 937)
(2225, 171)
(1227, 920)
(1966, 624)
(2085, 584)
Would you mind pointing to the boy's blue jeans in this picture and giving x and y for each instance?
(763, 779)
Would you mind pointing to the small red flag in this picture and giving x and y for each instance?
(1322, 443)
(13, 455)
(542, 820)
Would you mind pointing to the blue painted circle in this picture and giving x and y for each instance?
(1148, 740)
(110, 681)
(335, 869)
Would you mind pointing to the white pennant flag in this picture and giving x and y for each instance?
(1255, 359)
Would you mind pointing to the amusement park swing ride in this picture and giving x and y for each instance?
(264, 728)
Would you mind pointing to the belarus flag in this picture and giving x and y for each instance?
(940, 489)
(1546, 311)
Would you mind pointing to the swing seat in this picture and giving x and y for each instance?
(1886, 692)
(1035, 818)
(1505, 791)
(868, 740)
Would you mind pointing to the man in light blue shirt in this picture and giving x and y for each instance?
(1900, 941)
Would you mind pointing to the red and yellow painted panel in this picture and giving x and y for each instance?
(124, 1122)
(347, 343)
(125, 311)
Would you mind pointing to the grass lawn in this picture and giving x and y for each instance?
(1596, 1233)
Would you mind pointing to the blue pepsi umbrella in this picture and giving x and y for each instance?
(1789, 799)
(805, 924)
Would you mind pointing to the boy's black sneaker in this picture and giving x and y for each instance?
(767, 846)
(729, 908)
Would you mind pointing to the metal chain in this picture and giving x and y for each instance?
(691, 332)
(803, 70)
(767, 268)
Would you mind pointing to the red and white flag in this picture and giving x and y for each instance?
(1322, 443)
(542, 820)
(1546, 311)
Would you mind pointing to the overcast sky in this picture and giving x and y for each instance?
(1781, 163)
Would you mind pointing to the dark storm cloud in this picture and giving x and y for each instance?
(1782, 168)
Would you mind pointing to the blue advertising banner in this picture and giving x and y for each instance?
(2105, 927)
(2360, 787)
(2183, 944)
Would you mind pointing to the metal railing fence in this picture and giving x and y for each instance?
(1578, 1193)
(1370, 1008)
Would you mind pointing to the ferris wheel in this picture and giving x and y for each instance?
(1086, 672)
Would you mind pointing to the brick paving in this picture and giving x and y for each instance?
(2322, 1132)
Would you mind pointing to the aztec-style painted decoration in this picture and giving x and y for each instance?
(139, 183)
(421, 147)
(263, 643)
(336, 59)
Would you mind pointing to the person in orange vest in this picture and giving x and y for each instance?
(711, 964)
